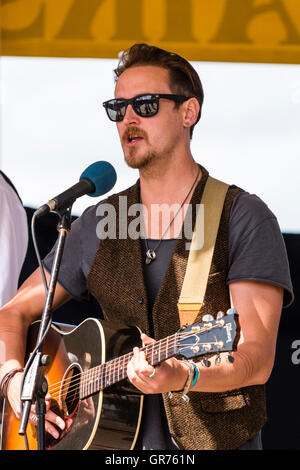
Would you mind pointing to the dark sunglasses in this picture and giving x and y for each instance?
(144, 105)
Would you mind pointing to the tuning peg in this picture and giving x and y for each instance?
(220, 315)
(218, 359)
(206, 362)
(208, 318)
(231, 311)
(230, 357)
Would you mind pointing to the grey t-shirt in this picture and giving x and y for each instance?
(256, 252)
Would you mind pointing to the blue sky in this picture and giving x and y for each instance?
(53, 126)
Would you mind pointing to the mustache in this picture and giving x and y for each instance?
(134, 131)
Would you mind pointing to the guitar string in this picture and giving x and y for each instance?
(69, 399)
(91, 376)
(113, 370)
(160, 343)
(75, 383)
(110, 373)
(74, 388)
(73, 396)
(145, 349)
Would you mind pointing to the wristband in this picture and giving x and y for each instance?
(195, 376)
(191, 380)
(6, 379)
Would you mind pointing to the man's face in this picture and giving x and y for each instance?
(146, 140)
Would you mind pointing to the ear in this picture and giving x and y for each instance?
(191, 111)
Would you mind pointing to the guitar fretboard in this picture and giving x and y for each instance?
(115, 370)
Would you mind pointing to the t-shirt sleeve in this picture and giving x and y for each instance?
(256, 246)
(80, 249)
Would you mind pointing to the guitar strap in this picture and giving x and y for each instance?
(201, 251)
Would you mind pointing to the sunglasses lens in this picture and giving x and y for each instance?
(116, 110)
(146, 105)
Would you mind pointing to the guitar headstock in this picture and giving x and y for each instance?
(213, 336)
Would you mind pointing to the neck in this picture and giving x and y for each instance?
(166, 198)
(115, 370)
(169, 183)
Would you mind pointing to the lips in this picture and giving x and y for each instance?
(131, 140)
(133, 136)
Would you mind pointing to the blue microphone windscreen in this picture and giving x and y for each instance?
(103, 175)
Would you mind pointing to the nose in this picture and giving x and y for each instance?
(130, 116)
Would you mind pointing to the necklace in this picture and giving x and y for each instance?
(151, 253)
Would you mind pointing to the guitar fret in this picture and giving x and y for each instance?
(175, 344)
(185, 342)
(89, 382)
(81, 391)
(166, 349)
(96, 378)
(124, 370)
(115, 371)
(92, 381)
(123, 367)
(107, 375)
(86, 382)
(102, 377)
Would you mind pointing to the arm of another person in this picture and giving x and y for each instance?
(259, 306)
(13, 241)
(15, 317)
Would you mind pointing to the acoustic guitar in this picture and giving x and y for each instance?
(87, 379)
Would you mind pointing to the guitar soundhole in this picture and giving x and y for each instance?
(67, 405)
(69, 394)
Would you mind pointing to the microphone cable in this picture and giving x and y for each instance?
(42, 269)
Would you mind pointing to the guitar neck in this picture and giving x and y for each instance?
(107, 374)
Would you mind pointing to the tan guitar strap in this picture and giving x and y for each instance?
(201, 250)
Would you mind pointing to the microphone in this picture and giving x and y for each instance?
(97, 179)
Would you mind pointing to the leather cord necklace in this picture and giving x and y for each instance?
(151, 253)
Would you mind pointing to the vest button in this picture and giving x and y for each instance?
(140, 300)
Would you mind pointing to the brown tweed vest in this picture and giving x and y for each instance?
(210, 420)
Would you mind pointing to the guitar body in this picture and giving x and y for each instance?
(109, 419)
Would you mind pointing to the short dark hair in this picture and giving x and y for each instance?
(184, 79)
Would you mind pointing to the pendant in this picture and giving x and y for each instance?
(150, 256)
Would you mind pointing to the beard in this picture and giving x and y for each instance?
(151, 158)
(140, 162)
(130, 154)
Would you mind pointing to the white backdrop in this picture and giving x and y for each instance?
(53, 126)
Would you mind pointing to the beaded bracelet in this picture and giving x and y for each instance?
(196, 375)
(6, 379)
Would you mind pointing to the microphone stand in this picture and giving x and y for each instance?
(35, 385)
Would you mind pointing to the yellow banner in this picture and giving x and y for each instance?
(203, 30)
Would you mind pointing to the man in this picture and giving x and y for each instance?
(158, 99)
